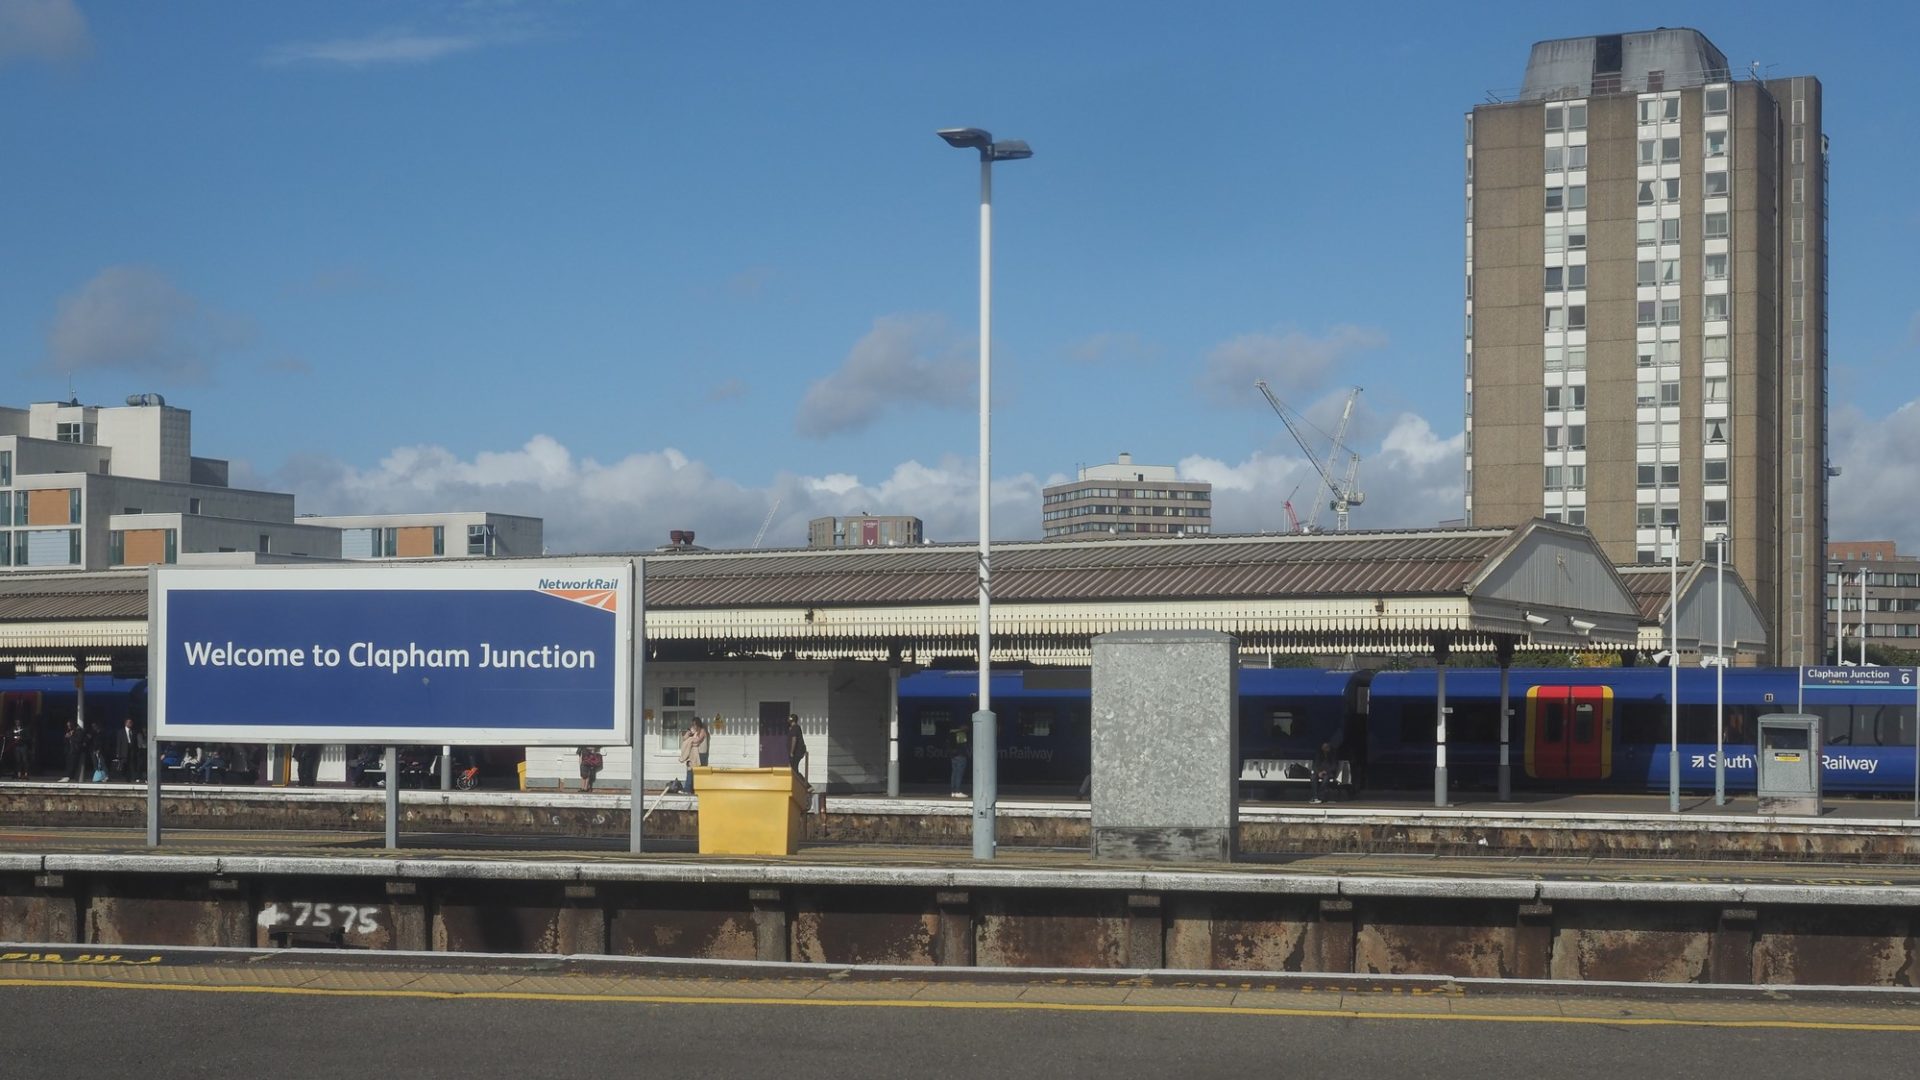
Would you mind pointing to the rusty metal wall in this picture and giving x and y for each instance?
(1643, 938)
(848, 821)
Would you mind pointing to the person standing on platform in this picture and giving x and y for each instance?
(20, 744)
(307, 757)
(957, 760)
(693, 749)
(75, 741)
(590, 762)
(129, 752)
(797, 748)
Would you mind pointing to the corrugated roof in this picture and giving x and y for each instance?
(1650, 586)
(51, 597)
(1346, 564)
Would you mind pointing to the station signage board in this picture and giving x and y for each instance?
(1857, 678)
(527, 653)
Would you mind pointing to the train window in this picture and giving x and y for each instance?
(1036, 723)
(1553, 721)
(932, 720)
(1583, 722)
(1416, 726)
(1893, 726)
(1640, 723)
(1280, 723)
(1474, 720)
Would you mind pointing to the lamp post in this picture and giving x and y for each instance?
(985, 772)
(1720, 674)
(1673, 670)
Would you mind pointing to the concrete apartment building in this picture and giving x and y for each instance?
(1892, 600)
(1646, 341)
(866, 530)
(455, 534)
(1124, 499)
(87, 487)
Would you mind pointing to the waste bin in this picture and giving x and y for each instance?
(749, 811)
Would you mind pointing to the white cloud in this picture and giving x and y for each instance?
(728, 390)
(396, 46)
(903, 360)
(631, 504)
(133, 318)
(48, 30)
(1873, 497)
(1292, 362)
(1113, 348)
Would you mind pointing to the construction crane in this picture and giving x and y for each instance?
(1343, 495)
(771, 510)
(1293, 519)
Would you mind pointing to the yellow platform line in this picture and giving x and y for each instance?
(998, 1006)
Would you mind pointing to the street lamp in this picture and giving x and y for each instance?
(1720, 673)
(1673, 670)
(985, 771)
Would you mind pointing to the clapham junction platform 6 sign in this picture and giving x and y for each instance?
(521, 654)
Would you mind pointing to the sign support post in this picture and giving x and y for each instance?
(393, 797)
(153, 732)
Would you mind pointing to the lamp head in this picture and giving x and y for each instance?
(1536, 620)
(967, 139)
(1011, 150)
(1581, 625)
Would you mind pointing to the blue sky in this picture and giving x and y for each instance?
(635, 267)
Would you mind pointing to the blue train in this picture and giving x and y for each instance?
(42, 705)
(1571, 729)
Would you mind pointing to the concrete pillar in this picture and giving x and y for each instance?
(54, 916)
(1330, 941)
(1165, 745)
(1146, 932)
(1732, 961)
(581, 924)
(1533, 942)
(411, 925)
(953, 941)
(772, 941)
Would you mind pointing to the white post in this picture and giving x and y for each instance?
(1863, 616)
(393, 797)
(1673, 670)
(1839, 612)
(985, 775)
(1720, 675)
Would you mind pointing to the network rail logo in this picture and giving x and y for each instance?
(599, 592)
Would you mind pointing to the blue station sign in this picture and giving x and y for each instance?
(1858, 678)
(520, 654)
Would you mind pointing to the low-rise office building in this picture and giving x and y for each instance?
(1892, 596)
(87, 487)
(1125, 498)
(865, 530)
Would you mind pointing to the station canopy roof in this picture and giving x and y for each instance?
(1540, 584)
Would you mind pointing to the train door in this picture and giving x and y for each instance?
(1570, 732)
